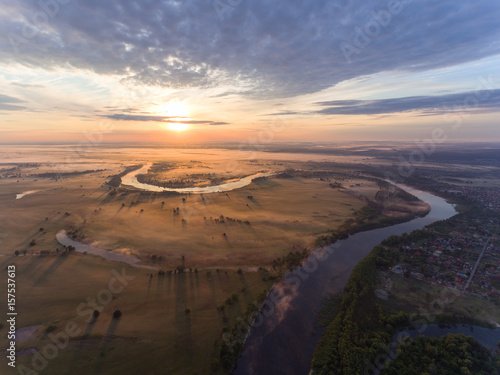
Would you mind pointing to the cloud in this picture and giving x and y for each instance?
(125, 117)
(164, 119)
(197, 122)
(283, 113)
(484, 101)
(9, 99)
(27, 86)
(282, 48)
(9, 103)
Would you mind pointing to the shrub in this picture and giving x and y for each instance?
(51, 328)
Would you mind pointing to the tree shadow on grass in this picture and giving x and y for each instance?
(37, 265)
(211, 286)
(153, 197)
(51, 269)
(243, 280)
(169, 283)
(119, 210)
(7, 262)
(107, 199)
(254, 201)
(182, 323)
(160, 280)
(110, 334)
(61, 218)
(191, 288)
(228, 243)
(28, 239)
(81, 343)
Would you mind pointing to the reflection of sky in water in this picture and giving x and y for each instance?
(19, 196)
(63, 239)
(130, 179)
(26, 333)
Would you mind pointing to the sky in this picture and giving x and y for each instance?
(249, 70)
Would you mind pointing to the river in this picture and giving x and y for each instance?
(284, 340)
(63, 239)
(130, 179)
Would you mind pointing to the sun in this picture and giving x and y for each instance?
(176, 110)
(177, 126)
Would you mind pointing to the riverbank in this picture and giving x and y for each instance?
(284, 343)
(64, 240)
(130, 180)
(359, 343)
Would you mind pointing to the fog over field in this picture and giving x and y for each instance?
(249, 187)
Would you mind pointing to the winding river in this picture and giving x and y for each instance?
(63, 239)
(130, 179)
(284, 339)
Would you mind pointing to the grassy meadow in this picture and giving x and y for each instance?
(154, 328)
(170, 323)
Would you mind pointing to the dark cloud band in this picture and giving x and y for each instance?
(482, 100)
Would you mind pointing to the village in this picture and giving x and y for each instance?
(488, 197)
(466, 258)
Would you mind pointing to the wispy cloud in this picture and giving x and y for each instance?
(482, 101)
(9, 103)
(283, 113)
(28, 86)
(126, 117)
(164, 119)
(197, 122)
